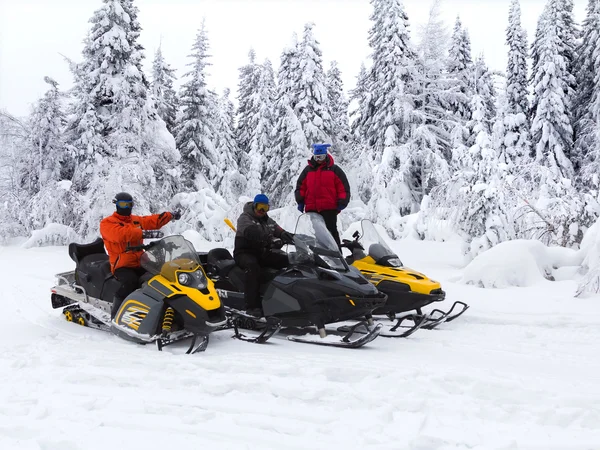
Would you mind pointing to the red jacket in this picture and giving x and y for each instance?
(322, 187)
(118, 231)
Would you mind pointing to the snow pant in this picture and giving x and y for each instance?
(330, 218)
(252, 267)
(129, 277)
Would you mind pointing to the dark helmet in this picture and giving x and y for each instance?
(124, 203)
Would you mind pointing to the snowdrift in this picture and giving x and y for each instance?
(520, 263)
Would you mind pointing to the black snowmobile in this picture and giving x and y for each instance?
(317, 288)
(407, 289)
(176, 301)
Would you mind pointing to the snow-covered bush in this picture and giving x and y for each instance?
(51, 234)
(517, 263)
(590, 262)
(202, 211)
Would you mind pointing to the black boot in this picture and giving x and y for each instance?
(117, 302)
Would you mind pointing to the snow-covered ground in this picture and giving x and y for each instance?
(519, 370)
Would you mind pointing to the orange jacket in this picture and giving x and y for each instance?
(117, 231)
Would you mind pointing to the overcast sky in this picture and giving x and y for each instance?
(34, 34)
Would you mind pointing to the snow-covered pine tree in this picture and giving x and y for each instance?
(585, 127)
(247, 85)
(289, 145)
(13, 138)
(114, 129)
(339, 113)
(393, 74)
(165, 97)
(45, 160)
(410, 169)
(516, 70)
(311, 102)
(47, 167)
(360, 98)
(551, 176)
(486, 216)
(260, 145)
(460, 67)
(591, 163)
(438, 89)
(233, 184)
(195, 132)
(551, 126)
(484, 88)
(514, 143)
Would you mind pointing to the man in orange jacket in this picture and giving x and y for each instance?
(122, 229)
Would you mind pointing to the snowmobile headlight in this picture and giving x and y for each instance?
(395, 262)
(184, 278)
(194, 279)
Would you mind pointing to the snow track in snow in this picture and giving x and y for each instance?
(515, 371)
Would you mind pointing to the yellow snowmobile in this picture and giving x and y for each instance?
(407, 289)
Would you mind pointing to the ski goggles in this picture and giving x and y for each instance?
(319, 158)
(263, 207)
(123, 204)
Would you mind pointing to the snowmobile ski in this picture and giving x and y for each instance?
(333, 340)
(270, 326)
(396, 330)
(444, 316)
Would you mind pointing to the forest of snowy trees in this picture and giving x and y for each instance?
(428, 131)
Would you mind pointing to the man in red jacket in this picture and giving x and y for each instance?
(122, 229)
(323, 187)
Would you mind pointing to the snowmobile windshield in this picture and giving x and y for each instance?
(168, 255)
(378, 249)
(315, 244)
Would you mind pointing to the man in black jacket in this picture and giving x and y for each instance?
(254, 241)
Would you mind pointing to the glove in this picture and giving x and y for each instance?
(276, 243)
(287, 238)
(301, 207)
(176, 215)
(152, 234)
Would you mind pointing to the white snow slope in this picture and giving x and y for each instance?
(519, 370)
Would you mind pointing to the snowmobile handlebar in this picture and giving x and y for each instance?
(135, 248)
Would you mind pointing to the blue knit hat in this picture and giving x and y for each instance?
(261, 198)
(320, 149)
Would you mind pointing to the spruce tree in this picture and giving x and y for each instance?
(289, 145)
(260, 145)
(312, 104)
(514, 144)
(164, 94)
(247, 86)
(46, 160)
(585, 68)
(393, 74)
(551, 126)
(589, 124)
(195, 134)
(233, 184)
(339, 112)
(113, 131)
(361, 97)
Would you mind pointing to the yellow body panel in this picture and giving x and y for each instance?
(376, 274)
(208, 301)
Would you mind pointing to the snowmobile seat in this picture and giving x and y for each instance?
(221, 259)
(78, 251)
(91, 273)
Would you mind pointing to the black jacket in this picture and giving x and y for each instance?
(254, 234)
